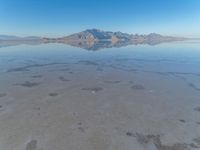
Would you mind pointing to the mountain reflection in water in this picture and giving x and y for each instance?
(87, 45)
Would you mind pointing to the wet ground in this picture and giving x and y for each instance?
(56, 97)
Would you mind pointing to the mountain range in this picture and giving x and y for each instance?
(100, 35)
(94, 39)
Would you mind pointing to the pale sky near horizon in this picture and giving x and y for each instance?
(63, 17)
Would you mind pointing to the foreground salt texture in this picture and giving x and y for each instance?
(118, 104)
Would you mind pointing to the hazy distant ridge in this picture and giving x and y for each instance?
(10, 38)
(99, 35)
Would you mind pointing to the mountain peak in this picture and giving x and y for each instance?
(94, 30)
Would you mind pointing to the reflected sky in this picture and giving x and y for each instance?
(171, 55)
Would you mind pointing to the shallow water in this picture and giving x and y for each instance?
(57, 97)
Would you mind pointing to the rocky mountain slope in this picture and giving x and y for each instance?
(100, 35)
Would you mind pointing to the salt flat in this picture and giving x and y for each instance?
(56, 97)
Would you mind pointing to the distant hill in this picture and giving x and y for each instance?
(7, 37)
(14, 38)
(94, 35)
(6, 40)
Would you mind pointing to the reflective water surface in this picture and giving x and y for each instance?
(58, 97)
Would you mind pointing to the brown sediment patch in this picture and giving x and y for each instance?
(37, 108)
(112, 82)
(28, 84)
(183, 121)
(196, 143)
(130, 134)
(37, 76)
(61, 78)
(197, 140)
(80, 123)
(145, 139)
(162, 73)
(133, 70)
(197, 108)
(194, 146)
(193, 86)
(87, 62)
(99, 69)
(137, 87)
(155, 139)
(123, 68)
(148, 140)
(93, 89)
(32, 145)
(27, 68)
(122, 59)
(80, 127)
(65, 69)
(53, 94)
(3, 95)
(18, 69)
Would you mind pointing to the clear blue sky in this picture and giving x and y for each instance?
(61, 17)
